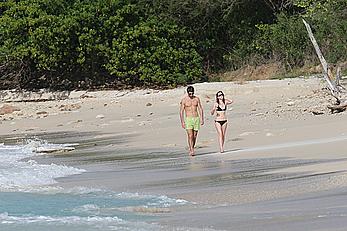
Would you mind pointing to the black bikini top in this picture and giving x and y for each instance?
(221, 109)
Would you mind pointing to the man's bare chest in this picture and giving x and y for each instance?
(191, 103)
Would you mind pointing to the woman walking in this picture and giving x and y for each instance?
(221, 121)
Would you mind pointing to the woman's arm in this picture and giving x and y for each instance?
(228, 101)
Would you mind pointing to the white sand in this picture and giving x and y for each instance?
(276, 147)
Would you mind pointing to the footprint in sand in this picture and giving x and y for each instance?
(247, 133)
(169, 145)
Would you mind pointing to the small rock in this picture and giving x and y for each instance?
(148, 104)
(100, 116)
(8, 109)
(71, 107)
(86, 96)
(247, 133)
(317, 112)
(141, 123)
(30, 129)
(41, 113)
(259, 114)
(18, 113)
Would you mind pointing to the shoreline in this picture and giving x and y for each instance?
(276, 150)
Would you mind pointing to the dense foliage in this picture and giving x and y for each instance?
(287, 41)
(67, 44)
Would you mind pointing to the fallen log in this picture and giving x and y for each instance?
(338, 108)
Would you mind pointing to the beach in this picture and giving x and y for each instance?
(284, 166)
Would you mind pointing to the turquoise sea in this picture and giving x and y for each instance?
(30, 200)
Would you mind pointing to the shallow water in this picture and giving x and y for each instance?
(79, 209)
(30, 201)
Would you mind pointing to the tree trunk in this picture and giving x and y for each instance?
(334, 87)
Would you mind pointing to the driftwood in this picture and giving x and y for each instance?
(336, 89)
(32, 96)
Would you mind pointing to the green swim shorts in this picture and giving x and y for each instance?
(193, 123)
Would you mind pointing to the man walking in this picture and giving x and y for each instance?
(191, 116)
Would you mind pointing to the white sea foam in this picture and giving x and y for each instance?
(74, 222)
(97, 209)
(88, 208)
(162, 201)
(152, 200)
(20, 173)
(7, 219)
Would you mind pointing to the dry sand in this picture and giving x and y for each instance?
(284, 150)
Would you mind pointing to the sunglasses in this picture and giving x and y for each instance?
(191, 93)
(220, 95)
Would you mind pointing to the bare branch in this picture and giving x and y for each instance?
(324, 63)
(278, 5)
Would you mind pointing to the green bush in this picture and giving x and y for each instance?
(329, 22)
(153, 52)
(70, 44)
(285, 41)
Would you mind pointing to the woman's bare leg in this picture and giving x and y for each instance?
(220, 136)
(224, 130)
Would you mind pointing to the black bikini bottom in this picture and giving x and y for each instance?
(221, 122)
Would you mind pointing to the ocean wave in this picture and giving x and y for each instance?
(74, 223)
(18, 172)
(153, 200)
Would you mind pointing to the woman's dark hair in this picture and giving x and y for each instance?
(218, 93)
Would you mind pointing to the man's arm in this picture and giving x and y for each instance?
(201, 112)
(182, 114)
(213, 110)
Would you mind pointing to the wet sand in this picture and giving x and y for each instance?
(284, 167)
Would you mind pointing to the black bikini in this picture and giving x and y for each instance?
(221, 122)
(220, 109)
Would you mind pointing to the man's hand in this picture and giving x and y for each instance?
(183, 125)
(202, 122)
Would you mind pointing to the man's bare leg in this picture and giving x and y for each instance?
(191, 142)
(195, 133)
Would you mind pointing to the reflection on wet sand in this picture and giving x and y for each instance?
(242, 186)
